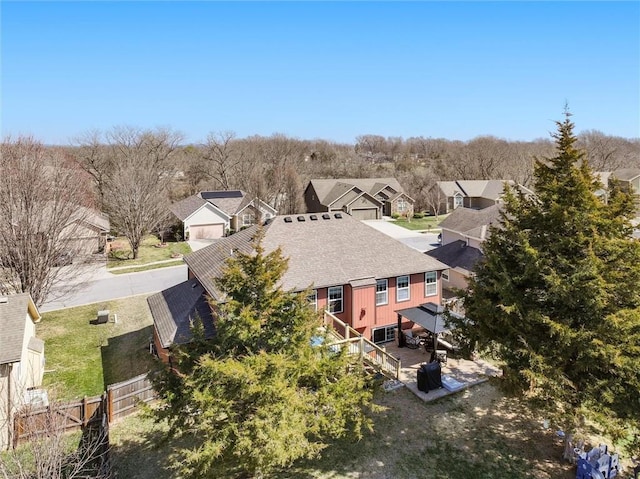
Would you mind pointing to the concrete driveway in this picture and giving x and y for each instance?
(414, 239)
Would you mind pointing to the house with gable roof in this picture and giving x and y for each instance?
(211, 214)
(362, 198)
(360, 275)
(476, 194)
(463, 233)
(21, 358)
(629, 177)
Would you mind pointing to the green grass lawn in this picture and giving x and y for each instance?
(426, 223)
(475, 434)
(83, 358)
(137, 269)
(148, 252)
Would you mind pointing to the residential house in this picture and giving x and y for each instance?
(87, 232)
(463, 233)
(354, 271)
(476, 194)
(21, 358)
(629, 177)
(212, 214)
(362, 198)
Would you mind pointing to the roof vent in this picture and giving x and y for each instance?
(326, 216)
(338, 215)
(313, 217)
(301, 218)
(287, 219)
(4, 300)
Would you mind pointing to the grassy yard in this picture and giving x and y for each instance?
(426, 223)
(477, 433)
(83, 358)
(148, 253)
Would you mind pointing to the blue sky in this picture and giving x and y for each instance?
(331, 70)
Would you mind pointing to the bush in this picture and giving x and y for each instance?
(395, 216)
(418, 215)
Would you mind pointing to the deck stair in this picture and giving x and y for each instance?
(370, 353)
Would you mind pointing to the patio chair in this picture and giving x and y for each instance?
(411, 341)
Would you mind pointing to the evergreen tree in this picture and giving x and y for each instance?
(557, 297)
(259, 396)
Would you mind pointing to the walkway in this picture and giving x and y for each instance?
(469, 373)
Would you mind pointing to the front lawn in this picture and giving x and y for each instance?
(83, 358)
(420, 224)
(150, 251)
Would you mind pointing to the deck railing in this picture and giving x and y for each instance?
(368, 351)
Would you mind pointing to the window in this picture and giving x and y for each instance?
(457, 201)
(384, 335)
(313, 299)
(445, 275)
(382, 296)
(430, 283)
(248, 219)
(402, 205)
(402, 288)
(335, 299)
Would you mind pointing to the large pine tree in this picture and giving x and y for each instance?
(557, 297)
(260, 395)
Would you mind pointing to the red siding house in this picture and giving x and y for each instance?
(359, 274)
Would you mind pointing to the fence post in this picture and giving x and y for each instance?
(84, 411)
(109, 405)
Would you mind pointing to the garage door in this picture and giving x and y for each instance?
(365, 214)
(206, 231)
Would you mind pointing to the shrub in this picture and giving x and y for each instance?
(418, 215)
(395, 216)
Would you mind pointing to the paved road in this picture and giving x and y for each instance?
(95, 284)
(416, 240)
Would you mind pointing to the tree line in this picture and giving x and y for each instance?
(133, 175)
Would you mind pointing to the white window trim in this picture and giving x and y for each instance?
(407, 288)
(389, 333)
(252, 219)
(313, 299)
(430, 283)
(330, 301)
(386, 292)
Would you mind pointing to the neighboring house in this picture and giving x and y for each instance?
(21, 358)
(362, 198)
(629, 177)
(87, 233)
(463, 233)
(476, 194)
(354, 271)
(211, 214)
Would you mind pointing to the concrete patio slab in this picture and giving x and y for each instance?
(469, 373)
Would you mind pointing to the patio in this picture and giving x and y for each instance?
(469, 373)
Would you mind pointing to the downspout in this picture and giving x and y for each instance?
(9, 408)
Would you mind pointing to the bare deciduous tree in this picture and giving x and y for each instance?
(140, 180)
(51, 453)
(42, 195)
(222, 159)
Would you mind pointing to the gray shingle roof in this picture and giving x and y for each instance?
(321, 253)
(13, 317)
(626, 174)
(457, 255)
(174, 309)
(490, 189)
(328, 190)
(185, 208)
(470, 222)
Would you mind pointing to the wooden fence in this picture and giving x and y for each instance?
(124, 397)
(119, 401)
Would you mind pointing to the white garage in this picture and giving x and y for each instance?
(209, 231)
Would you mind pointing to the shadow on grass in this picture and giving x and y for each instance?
(127, 356)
